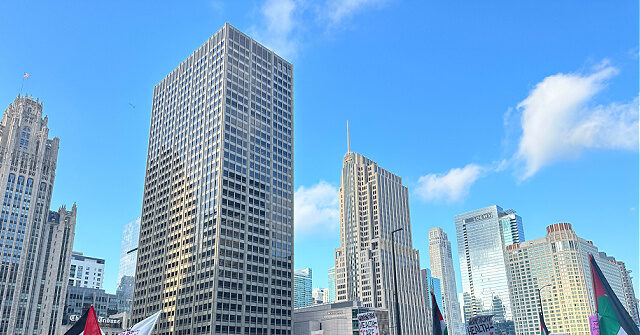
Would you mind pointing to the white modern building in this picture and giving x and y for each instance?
(483, 236)
(216, 233)
(86, 271)
(373, 203)
(320, 295)
(35, 243)
(340, 318)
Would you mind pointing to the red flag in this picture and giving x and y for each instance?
(92, 327)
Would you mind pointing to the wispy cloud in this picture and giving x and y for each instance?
(278, 30)
(338, 10)
(316, 208)
(286, 25)
(451, 186)
(559, 120)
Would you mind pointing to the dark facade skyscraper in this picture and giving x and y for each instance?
(216, 236)
(35, 243)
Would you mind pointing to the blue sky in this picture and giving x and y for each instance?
(529, 105)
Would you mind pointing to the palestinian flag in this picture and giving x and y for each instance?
(614, 319)
(86, 325)
(439, 326)
(543, 326)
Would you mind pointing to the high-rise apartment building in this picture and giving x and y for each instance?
(86, 271)
(302, 288)
(127, 268)
(36, 243)
(441, 261)
(216, 234)
(373, 203)
(630, 300)
(482, 236)
(556, 265)
(332, 285)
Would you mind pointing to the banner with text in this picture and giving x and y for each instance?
(481, 325)
(368, 323)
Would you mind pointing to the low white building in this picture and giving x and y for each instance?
(86, 271)
(338, 318)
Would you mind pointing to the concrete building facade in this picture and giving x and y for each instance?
(35, 244)
(556, 264)
(216, 234)
(340, 318)
(441, 261)
(373, 203)
(86, 271)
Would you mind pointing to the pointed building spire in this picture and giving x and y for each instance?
(348, 139)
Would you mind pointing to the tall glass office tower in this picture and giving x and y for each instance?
(373, 203)
(483, 236)
(302, 288)
(127, 268)
(216, 235)
(332, 284)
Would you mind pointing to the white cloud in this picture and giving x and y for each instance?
(337, 10)
(316, 208)
(558, 122)
(451, 186)
(279, 28)
(285, 25)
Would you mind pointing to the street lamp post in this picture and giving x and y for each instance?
(395, 281)
(540, 300)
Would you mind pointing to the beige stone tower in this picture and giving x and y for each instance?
(35, 246)
(441, 262)
(373, 203)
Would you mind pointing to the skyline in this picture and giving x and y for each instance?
(556, 193)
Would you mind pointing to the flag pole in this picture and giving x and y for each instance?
(24, 76)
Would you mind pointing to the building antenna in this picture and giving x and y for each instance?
(348, 139)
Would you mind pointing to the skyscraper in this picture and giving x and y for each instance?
(302, 288)
(332, 285)
(36, 243)
(556, 265)
(441, 261)
(127, 268)
(216, 234)
(482, 236)
(373, 203)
